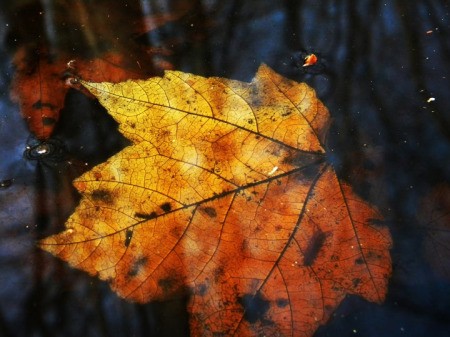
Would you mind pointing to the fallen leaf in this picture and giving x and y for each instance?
(225, 196)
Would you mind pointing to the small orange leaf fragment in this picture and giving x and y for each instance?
(225, 195)
(310, 60)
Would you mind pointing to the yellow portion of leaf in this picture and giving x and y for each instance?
(270, 106)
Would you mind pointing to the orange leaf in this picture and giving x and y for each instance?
(225, 196)
(40, 89)
(310, 60)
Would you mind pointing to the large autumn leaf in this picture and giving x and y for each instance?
(225, 196)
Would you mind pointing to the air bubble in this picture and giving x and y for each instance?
(50, 150)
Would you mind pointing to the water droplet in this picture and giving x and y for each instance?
(42, 149)
(51, 149)
(38, 151)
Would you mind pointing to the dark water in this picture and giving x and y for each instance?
(380, 62)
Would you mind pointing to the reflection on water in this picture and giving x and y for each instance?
(381, 71)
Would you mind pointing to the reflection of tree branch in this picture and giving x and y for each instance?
(345, 90)
(233, 23)
(201, 40)
(4, 331)
(376, 93)
(293, 8)
(34, 305)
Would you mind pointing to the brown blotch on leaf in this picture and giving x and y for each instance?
(201, 289)
(137, 266)
(218, 273)
(128, 236)
(310, 163)
(177, 231)
(210, 211)
(39, 105)
(150, 216)
(356, 281)
(48, 121)
(244, 246)
(166, 207)
(359, 261)
(282, 302)
(167, 284)
(287, 112)
(314, 246)
(102, 195)
(255, 307)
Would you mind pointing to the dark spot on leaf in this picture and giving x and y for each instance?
(356, 282)
(48, 121)
(166, 284)
(137, 266)
(255, 307)
(282, 302)
(210, 211)
(218, 273)
(376, 222)
(250, 121)
(128, 236)
(201, 289)
(244, 247)
(255, 98)
(310, 162)
(359, 261)
(166, 207)
(177, 231)
(308, 172)
(314, 246)
(40, 105)
(150, 216)
(102, 195)
(286, 112)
